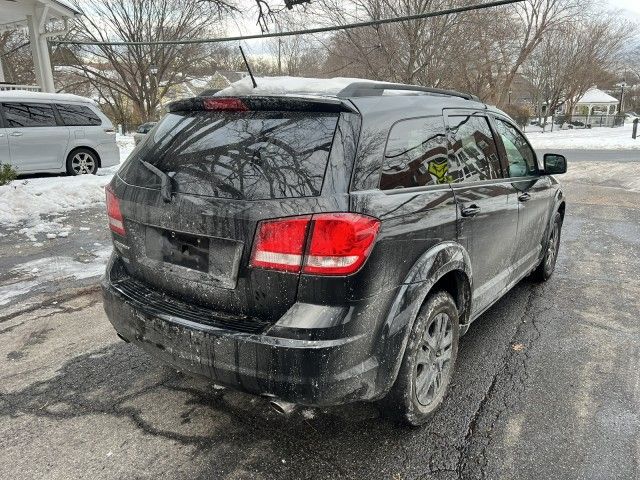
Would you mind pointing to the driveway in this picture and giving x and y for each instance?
(547, 386)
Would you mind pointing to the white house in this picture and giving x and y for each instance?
(35, 15)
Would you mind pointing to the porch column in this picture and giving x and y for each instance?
(1, 71)
(33, 26)
(40, 50)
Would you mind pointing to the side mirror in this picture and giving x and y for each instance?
(554, 164)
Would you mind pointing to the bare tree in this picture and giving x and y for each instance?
(410, 52)
(138, 76)
(481, 52)
(15, 56)
(532, 20)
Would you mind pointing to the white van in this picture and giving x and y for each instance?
(55, 132)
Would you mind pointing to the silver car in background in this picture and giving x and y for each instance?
(54, 132)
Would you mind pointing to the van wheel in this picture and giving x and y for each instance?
(548, 263)
(428, 362)
(82, 161)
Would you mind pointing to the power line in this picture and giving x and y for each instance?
(348, 26)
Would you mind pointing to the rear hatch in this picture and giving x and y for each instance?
(230, 163)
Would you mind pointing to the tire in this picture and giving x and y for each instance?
(82, 161)
(427, 358)
(548, 264)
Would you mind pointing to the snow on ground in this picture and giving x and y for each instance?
(31, 274)
(26, 200)
(600, 138)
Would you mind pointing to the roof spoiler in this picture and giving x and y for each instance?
(263, 103)
(372, 89)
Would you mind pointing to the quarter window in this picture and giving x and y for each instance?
(416, 154)
(474, 148)
(28, 115)
(77, 115)
(522, 160)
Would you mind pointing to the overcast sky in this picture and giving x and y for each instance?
(631, 6)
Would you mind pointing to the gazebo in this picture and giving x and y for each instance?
(35, 14)
(596, 102)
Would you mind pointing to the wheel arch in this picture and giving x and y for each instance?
(562, 208)
(83, 147)
(447, 267)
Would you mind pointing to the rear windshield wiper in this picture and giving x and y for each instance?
(166, 188)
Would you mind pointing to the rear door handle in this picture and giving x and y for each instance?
(16, 134)
(524, 197)
(470, 211)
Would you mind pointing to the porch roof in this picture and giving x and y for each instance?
(14, 12)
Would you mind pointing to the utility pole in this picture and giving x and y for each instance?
(622, 86)
(279, 56)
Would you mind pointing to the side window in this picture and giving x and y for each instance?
(28, 115)
(522, 160)
(416, 154)
(77, 115)
(474, 148)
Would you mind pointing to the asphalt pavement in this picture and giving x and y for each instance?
(547, 386)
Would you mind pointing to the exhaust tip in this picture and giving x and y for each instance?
(283, 408)
(122, 338)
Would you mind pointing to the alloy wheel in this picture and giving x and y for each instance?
(433, 362)
(83, 163)
(552, 250)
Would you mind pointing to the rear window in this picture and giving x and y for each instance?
(239, 155)
(77, 115)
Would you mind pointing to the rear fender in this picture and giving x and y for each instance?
(430, 267)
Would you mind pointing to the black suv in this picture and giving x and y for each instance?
(323, 249)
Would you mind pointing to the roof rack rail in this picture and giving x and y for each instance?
(370, 89)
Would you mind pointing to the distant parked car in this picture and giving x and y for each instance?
(142, 131)
(53, 132)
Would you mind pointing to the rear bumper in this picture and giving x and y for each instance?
(109, 154)
(303, 371)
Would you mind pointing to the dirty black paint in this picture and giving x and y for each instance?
(329, 340)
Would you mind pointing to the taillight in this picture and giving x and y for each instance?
(339, 243)
(279, 244)
(113, 212)
(230, 104)
(322, 244)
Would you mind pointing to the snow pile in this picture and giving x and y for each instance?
(26, 200)
(601, 138)
(289, 85)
